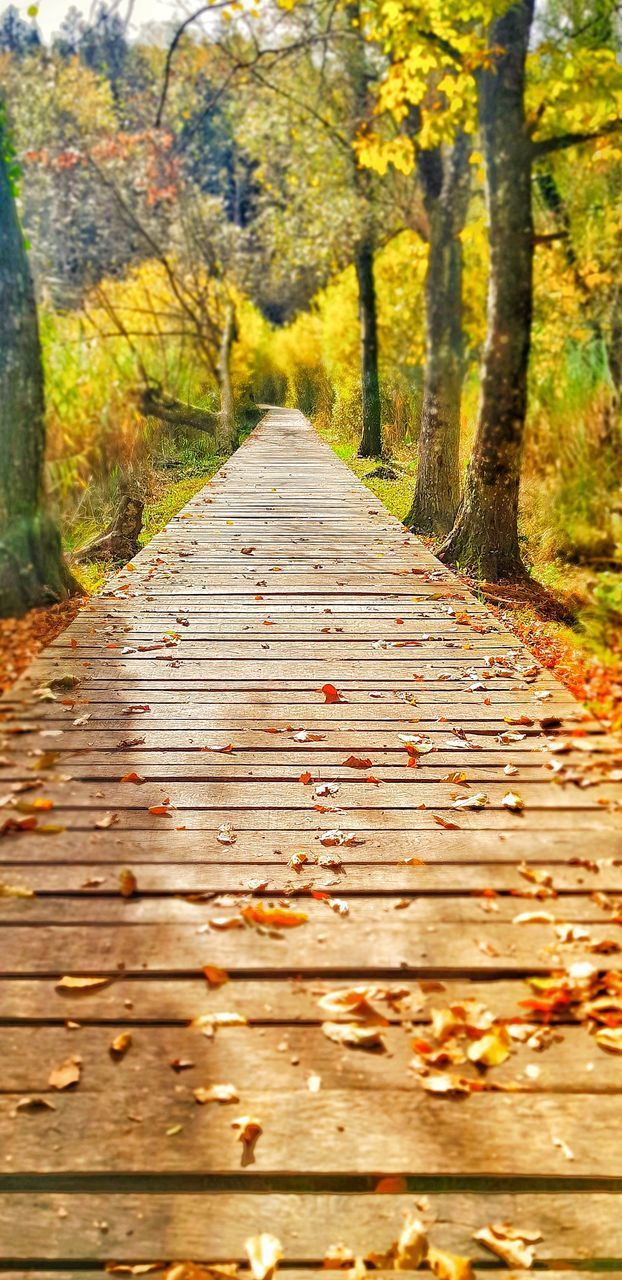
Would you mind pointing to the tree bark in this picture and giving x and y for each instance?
(484, 539)
(120, 540)
(444, 178)
(32, 569)
(371, 438)
(357, 72)
(227, 410)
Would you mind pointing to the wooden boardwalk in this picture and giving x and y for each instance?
(306, 842)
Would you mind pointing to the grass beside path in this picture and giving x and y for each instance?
(585, 653)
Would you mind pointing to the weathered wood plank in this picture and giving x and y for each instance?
(280, 1058)
(331, 573)
(333, 1130)
(358, 943)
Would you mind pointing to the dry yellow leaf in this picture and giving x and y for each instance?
(66, 1074)
(217, 1093)
(120, 1045)
(264, 1254)
(69, 983)
(448, 1266)
(353, 1036)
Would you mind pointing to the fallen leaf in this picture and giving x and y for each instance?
(64, 682)
(534, 917)
(356, 762)
(348, 840)
(412, 1246)
(132, 777)
(512, 801)
(15, 891)
(331, 694)
(279, 917)
(448, 1266)
(354, 1036)
(442, 822)
(477, 801)
(66, 1074)
(391, 1186)
(306, 778)
(610, 1038)
(249, 1130)
(514, 1247)
(120, 1046)
(83, 985)
(217, 1093)
(208, 1023)
(264, 1254)
(34, 1104)
(216, 977)
(133, 1268)
(226, 834)
(39, 805)
(108, 820)
(491, 1049)
(127, 883)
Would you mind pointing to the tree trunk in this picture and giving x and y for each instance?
(484, 538)
(444, 177)
(227, 409)
(32, 569)
(358, 76)
(371, 437)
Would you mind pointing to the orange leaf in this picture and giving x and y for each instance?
(281, 917)
(215, 976)
(357, 762)
(442, 822)
(305, 778)
(391, 1186)
(331, 694)
(132, 777)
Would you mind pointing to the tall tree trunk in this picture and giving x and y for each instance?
(226, 418)
(484, 538)
(371, 438)
(32, 569)
(444, 177)
(357, 73)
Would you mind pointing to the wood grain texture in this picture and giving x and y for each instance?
(281, 576)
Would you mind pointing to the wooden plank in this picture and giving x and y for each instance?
(359, 943)
(100, 878)
(419, 912)
(264, 1001)
(257, 844)
(333, 1131)
(268, 1059)
(330, 571)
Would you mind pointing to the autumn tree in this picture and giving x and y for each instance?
(518, 120)
(32, 569)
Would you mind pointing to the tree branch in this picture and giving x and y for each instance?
(546, 146)
(205, 8)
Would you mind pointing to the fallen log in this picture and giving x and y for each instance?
(153, 404)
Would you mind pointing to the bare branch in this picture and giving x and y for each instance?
(546, 146)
